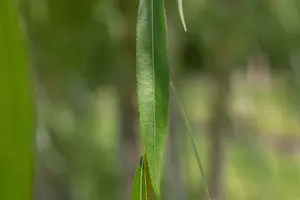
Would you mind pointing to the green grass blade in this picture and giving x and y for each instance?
(187, 124)
(153, 84)
(181, 13)
(16, 110)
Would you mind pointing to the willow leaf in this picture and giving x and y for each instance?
(149, 188)
(153, 82)
(139, 184)
(181, 13)
(142, 187)
(187, 124)
(17, 114)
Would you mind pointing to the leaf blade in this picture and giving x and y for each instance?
(181, 14)
(17, 110)
(142, 187)
(153, 83)
(139, 184)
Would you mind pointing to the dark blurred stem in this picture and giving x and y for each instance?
(215, 130)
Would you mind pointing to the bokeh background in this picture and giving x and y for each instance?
(236, 70)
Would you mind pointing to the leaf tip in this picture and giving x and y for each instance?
(181, 13)
(184, 27)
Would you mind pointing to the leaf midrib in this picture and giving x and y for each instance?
(154, 94)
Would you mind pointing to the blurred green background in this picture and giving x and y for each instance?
(237, 72)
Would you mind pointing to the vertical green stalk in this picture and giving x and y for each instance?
(193, 141)
(16, 110)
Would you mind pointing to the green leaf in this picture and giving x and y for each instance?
(153, 84)
(181, 13)
(149, 188)
(142, 187)
(16, 110)
(187, 124)
(139, 184)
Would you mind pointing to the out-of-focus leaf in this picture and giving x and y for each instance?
(181, 13)
(153, 84)
(16, 115)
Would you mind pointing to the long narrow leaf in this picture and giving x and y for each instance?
(181, 13)
(153, 84)
(187, 124)
(142, 187)
(16, 110)
(149, 188)
(139, 184)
